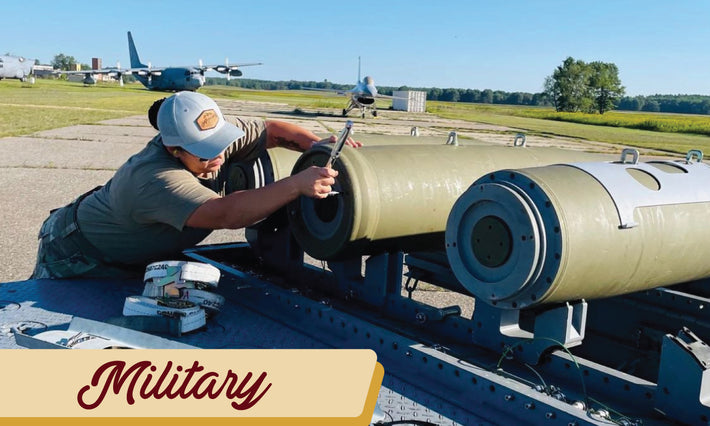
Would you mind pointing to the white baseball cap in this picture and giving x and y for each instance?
(193, 121)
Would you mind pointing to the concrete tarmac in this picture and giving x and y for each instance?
(48, 169)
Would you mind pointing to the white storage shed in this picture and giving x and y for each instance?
(409, 100)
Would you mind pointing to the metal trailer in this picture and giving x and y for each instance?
(631, 359)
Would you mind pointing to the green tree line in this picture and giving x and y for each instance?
(686, 104)
(681, 104)
(486, 96)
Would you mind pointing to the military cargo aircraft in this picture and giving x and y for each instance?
(15, 67)
(170, 79)
(362, 96)
(177, 78)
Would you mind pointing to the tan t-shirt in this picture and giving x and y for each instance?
(139, 216)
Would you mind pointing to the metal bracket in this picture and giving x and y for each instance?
(453, 139)
(383, 277)
(629, 151)
(683, 390)
(560, 326)
(698, 154)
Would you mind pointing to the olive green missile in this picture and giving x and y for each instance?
(558, 233)
(398, 197)
(276, 163)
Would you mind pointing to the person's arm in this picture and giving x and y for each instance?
(244, 208)
(292, 136)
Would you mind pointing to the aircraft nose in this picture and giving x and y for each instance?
(372, 89)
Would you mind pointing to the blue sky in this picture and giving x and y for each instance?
(510, 45)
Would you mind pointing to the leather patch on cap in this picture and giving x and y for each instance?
(207, 120)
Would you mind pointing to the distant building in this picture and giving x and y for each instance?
(409, 100)
(43, 70)
(96, 65)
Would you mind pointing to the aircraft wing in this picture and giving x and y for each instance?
(232, 70)
(145, 71)
(225, 66)
(92, 72)
(317, 89)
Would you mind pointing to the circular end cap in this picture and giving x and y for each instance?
(494, 242)
(323, 226)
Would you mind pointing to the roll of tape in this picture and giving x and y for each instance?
(182, 272)
(190, 315)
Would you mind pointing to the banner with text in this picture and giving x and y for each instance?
(284, 386)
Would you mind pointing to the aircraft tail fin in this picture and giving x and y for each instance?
(358, 69)
(133, 53)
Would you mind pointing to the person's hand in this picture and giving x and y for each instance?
(316, 182)
(349, 142)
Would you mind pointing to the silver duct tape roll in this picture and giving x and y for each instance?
(397, 198)
(520, 238)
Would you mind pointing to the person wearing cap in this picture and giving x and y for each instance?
(171, 195)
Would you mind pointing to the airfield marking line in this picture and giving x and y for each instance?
(68, 107)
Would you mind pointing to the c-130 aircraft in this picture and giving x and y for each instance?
(177, 78)
(171, 79)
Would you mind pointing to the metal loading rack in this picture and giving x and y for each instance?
(632, 359)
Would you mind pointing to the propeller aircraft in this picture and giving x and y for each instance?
(171, 79)
(15, 67)
(177, 78)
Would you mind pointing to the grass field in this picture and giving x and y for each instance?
(530, 120)
(48, 104)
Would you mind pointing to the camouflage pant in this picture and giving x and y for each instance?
(64, 253)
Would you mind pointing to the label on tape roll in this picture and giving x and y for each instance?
(210, 301)
(191, 316)
(181, 272)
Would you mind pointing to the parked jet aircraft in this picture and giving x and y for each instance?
(164, 78)
(15, 67)
(362, 96)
